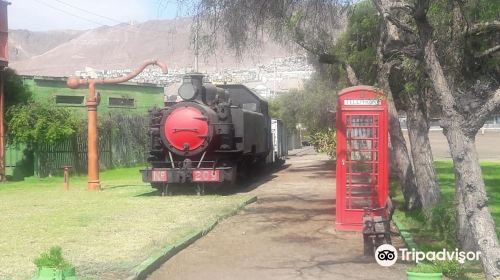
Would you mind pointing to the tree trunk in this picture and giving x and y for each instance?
(400, 151)
(421, 152)
(474, 216)
(469, 181)
(400, 156)
(463, 233)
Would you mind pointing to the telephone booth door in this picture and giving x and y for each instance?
(362, 165)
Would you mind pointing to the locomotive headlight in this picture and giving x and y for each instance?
(187, 91)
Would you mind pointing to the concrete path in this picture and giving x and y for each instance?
(288, 234)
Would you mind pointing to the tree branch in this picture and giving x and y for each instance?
(487, 52)
(403, 7)
(483, 27)
(322, 56)
(385, 10)
(487, 109)
(399, 24)
(351, 75)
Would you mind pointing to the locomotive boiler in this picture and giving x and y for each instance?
(209, 138)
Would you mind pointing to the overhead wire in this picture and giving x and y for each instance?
(68, 13)
(88, 11)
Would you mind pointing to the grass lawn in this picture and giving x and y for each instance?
(438, 234)
(105, 234)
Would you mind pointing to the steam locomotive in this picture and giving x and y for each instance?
(209, 138)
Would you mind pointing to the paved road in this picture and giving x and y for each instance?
(288, 234)
(487, 144)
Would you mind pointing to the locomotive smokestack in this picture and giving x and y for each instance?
(196, 79)
(192, 85)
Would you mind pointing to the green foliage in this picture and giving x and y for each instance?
(16, 92)
(286, 107)
(325, 142)
(35, 124)
(442, 219)
(52, 259)
(358, 44)
(452, 269)
(311, 107)
(475, 11)
(482, 10)
(426, 268)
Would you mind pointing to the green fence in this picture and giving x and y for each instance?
(123, 141)
(49, 159)
(14, 157)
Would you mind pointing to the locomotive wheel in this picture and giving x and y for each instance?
(200, 189)
(166, 191)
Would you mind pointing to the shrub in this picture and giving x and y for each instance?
(426, 268)
(325, 142)
(442, 219)
(36, 124)
(52, 259)
(452, 269)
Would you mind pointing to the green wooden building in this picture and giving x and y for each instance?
(128, 99)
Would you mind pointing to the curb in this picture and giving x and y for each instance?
(152, 263)
(405, 234)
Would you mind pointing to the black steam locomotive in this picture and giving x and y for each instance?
(214, 133)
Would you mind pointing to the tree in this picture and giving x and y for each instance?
(398, 77)
(36, 124)
(416, 97)
(313, 25)
(16, 92)
(366, 49)
(459, 58)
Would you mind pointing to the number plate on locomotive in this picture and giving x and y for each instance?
(208, 175)
(159, 176)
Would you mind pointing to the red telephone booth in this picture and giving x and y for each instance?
(362, 156)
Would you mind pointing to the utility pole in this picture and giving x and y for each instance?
(275, 77)
(196, 46)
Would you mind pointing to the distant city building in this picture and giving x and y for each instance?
(279, 76)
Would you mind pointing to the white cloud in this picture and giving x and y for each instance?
(38, 15)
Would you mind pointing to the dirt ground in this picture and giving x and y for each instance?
(287, 234)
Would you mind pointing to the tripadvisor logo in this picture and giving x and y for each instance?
(387, 255)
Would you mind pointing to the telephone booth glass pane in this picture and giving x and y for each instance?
(362, 133)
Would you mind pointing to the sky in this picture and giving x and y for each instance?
(42, 15)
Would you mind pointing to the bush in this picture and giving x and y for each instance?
(442, 219)
(426, 268)
(452, 269)
(52, 259)
(36, 124)
(325, 142)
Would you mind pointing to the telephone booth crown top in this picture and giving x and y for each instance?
(362, 155)
(361, 98)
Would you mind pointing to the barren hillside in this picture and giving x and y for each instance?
(60, 53)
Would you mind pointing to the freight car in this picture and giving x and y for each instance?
(212, 136)
(279, 137)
